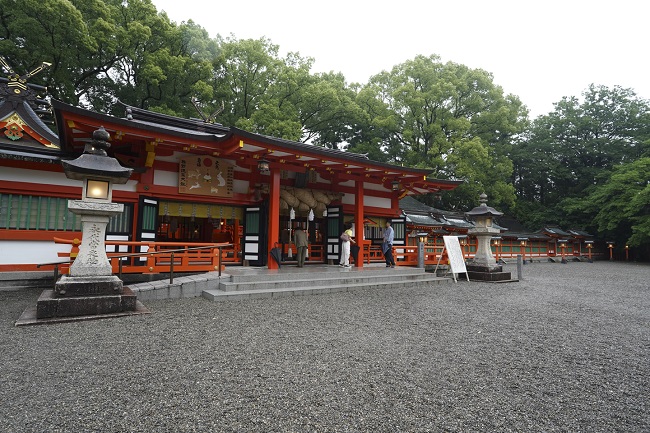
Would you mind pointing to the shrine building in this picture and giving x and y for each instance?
(194, 182)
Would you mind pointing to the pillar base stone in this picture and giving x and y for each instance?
(487, 273)
(49, 305)
(88, 286)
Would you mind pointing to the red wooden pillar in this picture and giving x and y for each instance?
(358, 222)
(394, 202)
(274, 215)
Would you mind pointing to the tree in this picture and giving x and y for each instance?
(446, 117)
(267, 94)
(167, 64)
(243, 74)
(105, 50)
(57, 32)
(619, 207)
(566, 153)
(325, 108)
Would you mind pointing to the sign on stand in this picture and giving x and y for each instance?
(456, 256)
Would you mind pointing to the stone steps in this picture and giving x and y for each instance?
(314, 272)
(305, 280)
(243, 283)
(217, 295)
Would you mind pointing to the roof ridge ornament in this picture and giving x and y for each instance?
(207, 119)
(17, 84)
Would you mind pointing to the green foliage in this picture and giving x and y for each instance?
(571, 152)
(105, 50)
(446, 117)
(619, 207)
(279, 96)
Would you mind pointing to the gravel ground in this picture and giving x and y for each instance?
(568, 349)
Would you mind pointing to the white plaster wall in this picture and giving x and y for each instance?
(319, 179)
(377, 202)
(240, 186)
(13, 174)
(30, 252)
(368, 201)
(165, 178)
(130, 186)
(374, 187)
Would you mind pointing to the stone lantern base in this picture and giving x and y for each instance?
(88, 286)
(49, 305)
(487, 273)
(52, 308)
(84, 296)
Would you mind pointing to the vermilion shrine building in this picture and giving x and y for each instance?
(193, 182)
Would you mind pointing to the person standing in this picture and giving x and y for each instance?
(346, 239)
(301, 245)
(387, 245)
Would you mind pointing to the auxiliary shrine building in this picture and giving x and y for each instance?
(193, 183)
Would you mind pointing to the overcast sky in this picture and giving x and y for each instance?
(538, 50)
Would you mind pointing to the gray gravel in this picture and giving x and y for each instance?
(568, 349)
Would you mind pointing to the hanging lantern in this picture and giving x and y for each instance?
(263, 165)
(311, 215)
(166, 217)
(292, 214)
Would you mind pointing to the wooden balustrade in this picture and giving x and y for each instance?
(156, 257)
(205, 258)
(314, 251)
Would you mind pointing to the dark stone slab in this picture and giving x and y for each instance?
(29, 316)
(489, 276)
(49, 305)
(480, 268)
(88, 286)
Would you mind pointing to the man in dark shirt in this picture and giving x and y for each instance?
(301, 245)
(387, 245)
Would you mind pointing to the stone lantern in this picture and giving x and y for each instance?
(91, 288)
(484, 266)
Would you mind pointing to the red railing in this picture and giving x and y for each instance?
(156, 257)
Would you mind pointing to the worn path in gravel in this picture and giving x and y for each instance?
(567, 349)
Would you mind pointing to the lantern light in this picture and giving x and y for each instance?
(395, 185)
(97, 189)
(263, 165)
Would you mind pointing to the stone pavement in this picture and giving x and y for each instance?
(566, 349)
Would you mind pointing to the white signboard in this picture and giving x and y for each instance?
(455, 254)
